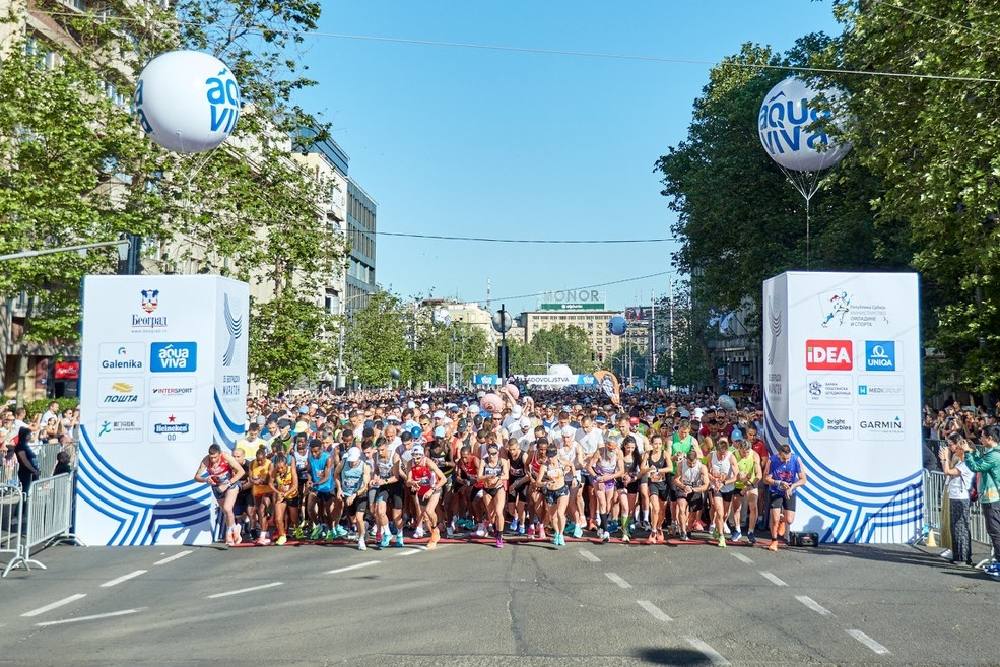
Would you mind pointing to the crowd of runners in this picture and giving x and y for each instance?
(383, 468)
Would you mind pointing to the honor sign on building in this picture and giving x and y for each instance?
(582, 308)
(842, 387)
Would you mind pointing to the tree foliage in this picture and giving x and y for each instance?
(376, 341)
(738, 219)
(294, 341)
(457, 342)
(77, 168)
(559, 345)
(935, 145)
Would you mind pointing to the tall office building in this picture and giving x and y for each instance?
(362, 215)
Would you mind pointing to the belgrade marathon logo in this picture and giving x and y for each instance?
(234, 327)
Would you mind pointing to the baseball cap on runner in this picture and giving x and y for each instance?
(417, 450)
(353, 454)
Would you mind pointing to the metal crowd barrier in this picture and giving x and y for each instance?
(935, 496)
(47, 509)
(11, 505)
(8, 474)
(46, 457)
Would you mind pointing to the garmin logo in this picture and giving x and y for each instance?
(882, 424)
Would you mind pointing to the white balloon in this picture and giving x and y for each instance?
(788, 109)
(187, 101)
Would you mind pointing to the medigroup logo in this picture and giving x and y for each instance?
(880, 355)
(173, 357)
(829, 355)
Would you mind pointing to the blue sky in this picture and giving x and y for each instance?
(509, 145)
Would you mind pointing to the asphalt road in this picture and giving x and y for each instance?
(528, 604)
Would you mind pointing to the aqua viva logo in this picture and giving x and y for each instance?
(783, 121)
(222, 93)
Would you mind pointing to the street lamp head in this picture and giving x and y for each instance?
(502, 321)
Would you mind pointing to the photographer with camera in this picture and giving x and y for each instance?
(959, 479)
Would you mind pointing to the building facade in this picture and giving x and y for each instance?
(593, 322)
(362, 219)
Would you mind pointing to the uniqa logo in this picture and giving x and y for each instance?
(223, 95)
(782, 124)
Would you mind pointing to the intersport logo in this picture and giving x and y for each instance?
(829, 355)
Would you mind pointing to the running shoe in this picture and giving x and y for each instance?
(419, 532)
(481, 530)
(514, 525)
(449, 531)
(684, 537)
(521, 530)
(499, 542)
(625, 537)
(751, 538)
(646, 526)
(570, 527)
(374, 531)
(735, 536)
(577, 532)
(384, 542)
(715, 532)
(434, 538)
(699, 526)
(773, 546)
(399, 539)
(341, 531)
(281, 540)
(781, 529)
(591, 526)
(540, 532)
(560, 540)
(317, 531)
(299, 533)
(361, 544)
(722, 541)
(605, 536)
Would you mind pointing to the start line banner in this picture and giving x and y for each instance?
(163, 376)
(842, 387)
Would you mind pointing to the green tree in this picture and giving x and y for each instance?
(935, 145)
(375, 341)
(293, 342)
(438, 344)
(738, 219)
(78, 170)
(692, 362)
(562, 345)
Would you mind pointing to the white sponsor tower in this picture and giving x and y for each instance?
(842, 387)
(163, 376)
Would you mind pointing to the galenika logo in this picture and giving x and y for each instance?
(829, 355)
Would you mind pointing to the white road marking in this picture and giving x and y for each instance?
(714, 656)
(123, 612)
(124, 578)
(54, 605)
(773, 579)
(586, 555)
(741, 557)
(869, 642)
(409, 551)
(354, 567)
(617, 581)
(812, 604)
(243, 590)
(655, 611)
(179, 554)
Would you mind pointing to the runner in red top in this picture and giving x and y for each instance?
(425, 479)
(223, 473)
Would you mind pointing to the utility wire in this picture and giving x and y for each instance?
(261, 30)
(613, 282)
(524, 241)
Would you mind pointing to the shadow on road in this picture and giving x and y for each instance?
(672, 656)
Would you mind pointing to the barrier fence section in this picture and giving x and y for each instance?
(46, 458)
(936, 495)
(11, 505)
(8, 473)
(47, 508)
